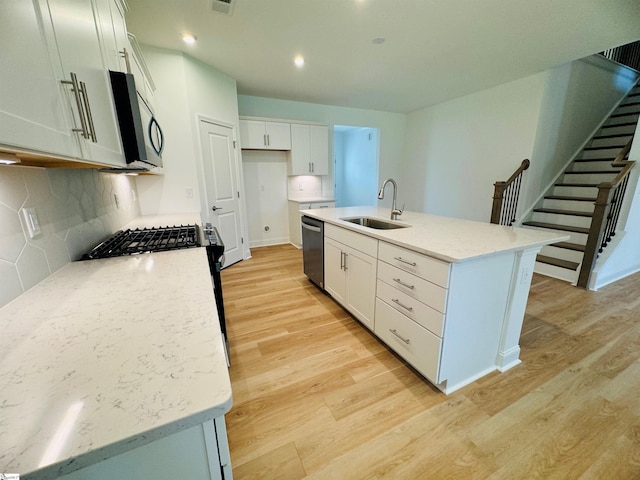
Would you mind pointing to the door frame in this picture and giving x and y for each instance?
(202, 186)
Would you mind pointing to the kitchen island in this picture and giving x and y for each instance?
(115, 368)
(446, 294)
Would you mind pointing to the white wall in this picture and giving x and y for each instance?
(391, 127)
(356, 167)
(456, 150)
(265, 177)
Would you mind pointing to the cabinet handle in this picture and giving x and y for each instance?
(87, 109)
(312, 168)
(309, 167)
(341, 260)
(398, 302)
(400, 259)
(345, 260)
(124, 54)
(264, 139)
(395, 332)
(75, 88)
(268, 140)
(397, 280)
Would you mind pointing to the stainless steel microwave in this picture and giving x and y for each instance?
(142, 137)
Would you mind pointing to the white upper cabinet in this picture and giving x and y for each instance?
(77, 33)
(265, 135)
(113, 29)
(33, 114)
(309, 150)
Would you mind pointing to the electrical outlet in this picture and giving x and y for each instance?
(300, 187)
(31, 220)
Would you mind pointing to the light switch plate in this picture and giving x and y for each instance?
(31, 220)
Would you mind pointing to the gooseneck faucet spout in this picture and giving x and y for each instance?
(394, 210)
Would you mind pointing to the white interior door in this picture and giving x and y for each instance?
(221, 185)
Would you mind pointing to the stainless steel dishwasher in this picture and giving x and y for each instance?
(313, 249)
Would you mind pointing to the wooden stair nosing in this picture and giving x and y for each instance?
(569, 246)
(557, 262)
(617, 115)
(581, 172)
(570, 198)
(627, 124)
(616, 135)
(585, 185)
(605, 147)
(553, 226)
(558, 211)
(584, 160)
(630, 104)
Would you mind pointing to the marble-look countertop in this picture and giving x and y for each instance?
(312, 200)
(166, 220)
(449, 239)
(105, 356)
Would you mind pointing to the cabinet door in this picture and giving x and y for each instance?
(361, 286)
(278, 135)
(319, 154)
(334, 274)
(33, 112)
(253, 134)
(113, 32)
(77, 40)
(300, 150)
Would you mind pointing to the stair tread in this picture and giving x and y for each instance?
(585, 172)
(569, 265)
(559, 211)
(616, 115)
(630, 104)
(612, 135)
(601, 159)
(564, 184)
(605, 147)
(573, 199)
(569, 246)
(554, 226)
(625, 124)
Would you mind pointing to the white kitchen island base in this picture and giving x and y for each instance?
(197, 453)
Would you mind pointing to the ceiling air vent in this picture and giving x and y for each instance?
(223, 6)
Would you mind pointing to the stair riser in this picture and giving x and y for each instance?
(623, 119)
(591, 166)
(630, 109)
(626, 130)
(556, 219)
(591, 192)
(580, 238)
(562, 253)
(568, 205)
(619, 141)
(556, 272)
(604, 153)
(594, 178)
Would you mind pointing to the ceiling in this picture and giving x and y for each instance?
(433, 50)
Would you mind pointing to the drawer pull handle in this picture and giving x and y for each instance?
(400, 259)
(397, 280)
(395, 332)
(398, 302)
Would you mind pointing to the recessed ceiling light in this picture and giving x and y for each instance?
(189, 38)
(299, 61)
(378, 40)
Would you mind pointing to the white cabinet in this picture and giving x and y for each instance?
(309, 150)
(113, 29)
(33, 113)
(295, 229)
(77, 36)
(265, 135)
(350, 271)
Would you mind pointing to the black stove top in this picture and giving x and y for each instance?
(145, 240)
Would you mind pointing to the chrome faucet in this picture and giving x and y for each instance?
(394, 210)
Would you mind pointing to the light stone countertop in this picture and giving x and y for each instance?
(449, 239)
(105, 356)
(312, 200)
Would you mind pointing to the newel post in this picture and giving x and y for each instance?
(594, 240)
(498, 197)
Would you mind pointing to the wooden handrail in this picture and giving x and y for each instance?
(498, 216)
(607, 207)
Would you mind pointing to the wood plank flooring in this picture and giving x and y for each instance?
(317, 396)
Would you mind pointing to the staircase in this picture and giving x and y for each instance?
(568, 206)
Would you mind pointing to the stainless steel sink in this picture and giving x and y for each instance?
(374, 223)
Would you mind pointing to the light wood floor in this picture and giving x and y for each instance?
(317, 396)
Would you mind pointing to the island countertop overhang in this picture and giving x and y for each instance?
(449, 239)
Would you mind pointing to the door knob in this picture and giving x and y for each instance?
(214, 208)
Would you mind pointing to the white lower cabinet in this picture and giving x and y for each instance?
(295, 230)
(350, 271)
(197, 453)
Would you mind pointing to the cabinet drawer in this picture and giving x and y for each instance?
(415, 344)
(429, 268)
(417, 311)
(359, 242)
(428, 293)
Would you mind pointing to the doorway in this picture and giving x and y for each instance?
(355, 165)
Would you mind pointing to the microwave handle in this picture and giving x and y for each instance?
(155, 126)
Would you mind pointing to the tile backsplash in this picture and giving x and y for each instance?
(76, 209)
